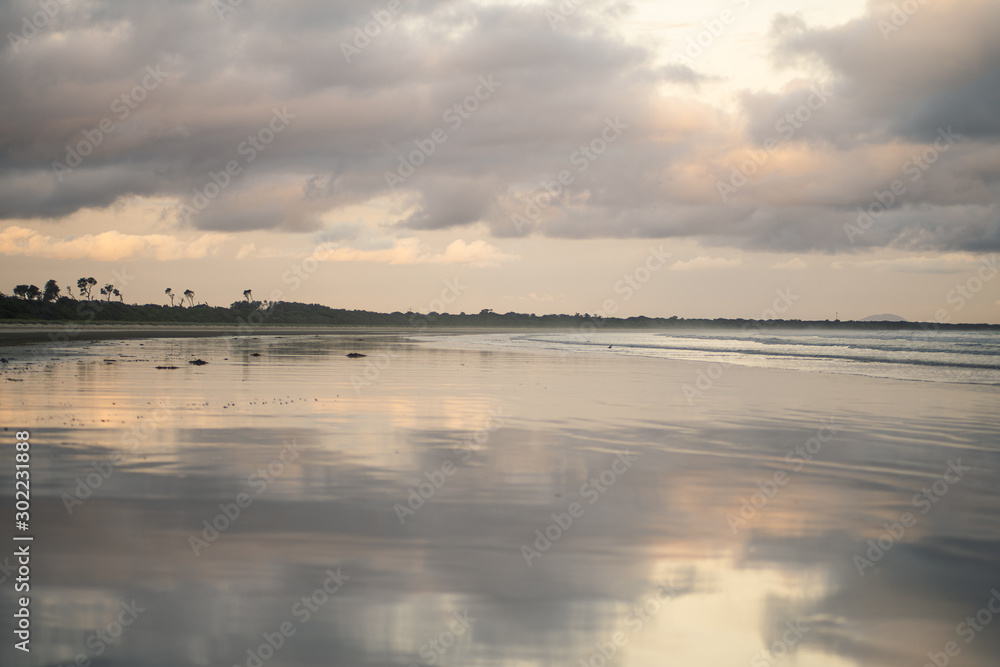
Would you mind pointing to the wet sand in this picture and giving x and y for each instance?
(468, 507)
(13, 334)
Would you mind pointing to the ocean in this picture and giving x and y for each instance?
(966, 357)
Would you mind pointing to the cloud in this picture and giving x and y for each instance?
(702, 263)
(474, 155)
(678, 73)
(412, 251)
(905, 79)
(794, 264)
(107, 246)
(949, 263)
(246, 251)
(251, 251)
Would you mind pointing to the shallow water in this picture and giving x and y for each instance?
(670, 558)
(971, 357)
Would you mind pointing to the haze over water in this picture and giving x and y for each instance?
(729, 526)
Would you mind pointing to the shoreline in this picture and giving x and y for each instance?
(25, 334)
(64, 332)
(33, 333)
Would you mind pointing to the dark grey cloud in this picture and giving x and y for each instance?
(359, 105)
(352, 119)
(896, 85)
(896, 78)
(679, 73)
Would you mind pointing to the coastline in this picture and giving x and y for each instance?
(17, 333)
(21, 334)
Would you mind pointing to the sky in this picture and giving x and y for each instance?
(737, 158)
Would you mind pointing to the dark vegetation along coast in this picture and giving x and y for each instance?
(39, 306)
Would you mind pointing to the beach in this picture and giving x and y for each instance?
(15, 334)
(445, 500)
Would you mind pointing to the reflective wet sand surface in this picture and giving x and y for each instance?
(455, 507)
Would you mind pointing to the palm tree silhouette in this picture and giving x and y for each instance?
(169, 292)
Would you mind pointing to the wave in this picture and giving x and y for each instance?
(951, 359)
(846, 357)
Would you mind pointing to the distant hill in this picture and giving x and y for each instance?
(884, 317)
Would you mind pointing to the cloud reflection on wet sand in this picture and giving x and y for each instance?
(734, 595)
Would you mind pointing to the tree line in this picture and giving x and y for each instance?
(52, 292)
(32, 293)
(31, 303)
